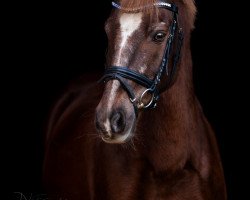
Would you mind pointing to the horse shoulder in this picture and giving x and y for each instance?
(79, 99)
(206, 158)
(66, 154)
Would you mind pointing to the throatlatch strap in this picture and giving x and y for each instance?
(176, 57)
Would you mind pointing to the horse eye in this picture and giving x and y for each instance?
(159, 37)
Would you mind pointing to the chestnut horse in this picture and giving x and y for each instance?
(142, 133)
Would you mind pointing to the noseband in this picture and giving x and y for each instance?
(122, 73)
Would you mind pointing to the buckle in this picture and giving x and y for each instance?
(141, 104)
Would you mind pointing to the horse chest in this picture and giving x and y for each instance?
(127, 179)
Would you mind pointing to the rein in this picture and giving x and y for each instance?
(122, 73)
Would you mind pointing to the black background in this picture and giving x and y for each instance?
(49, 44)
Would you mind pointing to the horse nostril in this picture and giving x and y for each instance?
(117, 122)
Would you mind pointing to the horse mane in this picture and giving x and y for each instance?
(136, 3)
(130, 4)
(190, 11)
(188, 6)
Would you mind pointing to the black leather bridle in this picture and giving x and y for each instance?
(122, 73)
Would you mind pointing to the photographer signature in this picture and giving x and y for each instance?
(31, 196)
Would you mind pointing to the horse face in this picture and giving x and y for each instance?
(137, 41)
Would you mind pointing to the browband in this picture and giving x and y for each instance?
(166, 5)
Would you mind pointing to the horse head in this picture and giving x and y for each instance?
(145, 40)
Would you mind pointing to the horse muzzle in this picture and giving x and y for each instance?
(116, 125)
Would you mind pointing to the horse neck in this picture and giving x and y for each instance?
(173, 123)
(176, 135)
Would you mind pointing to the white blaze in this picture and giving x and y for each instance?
(129, 23)
(114, 87)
